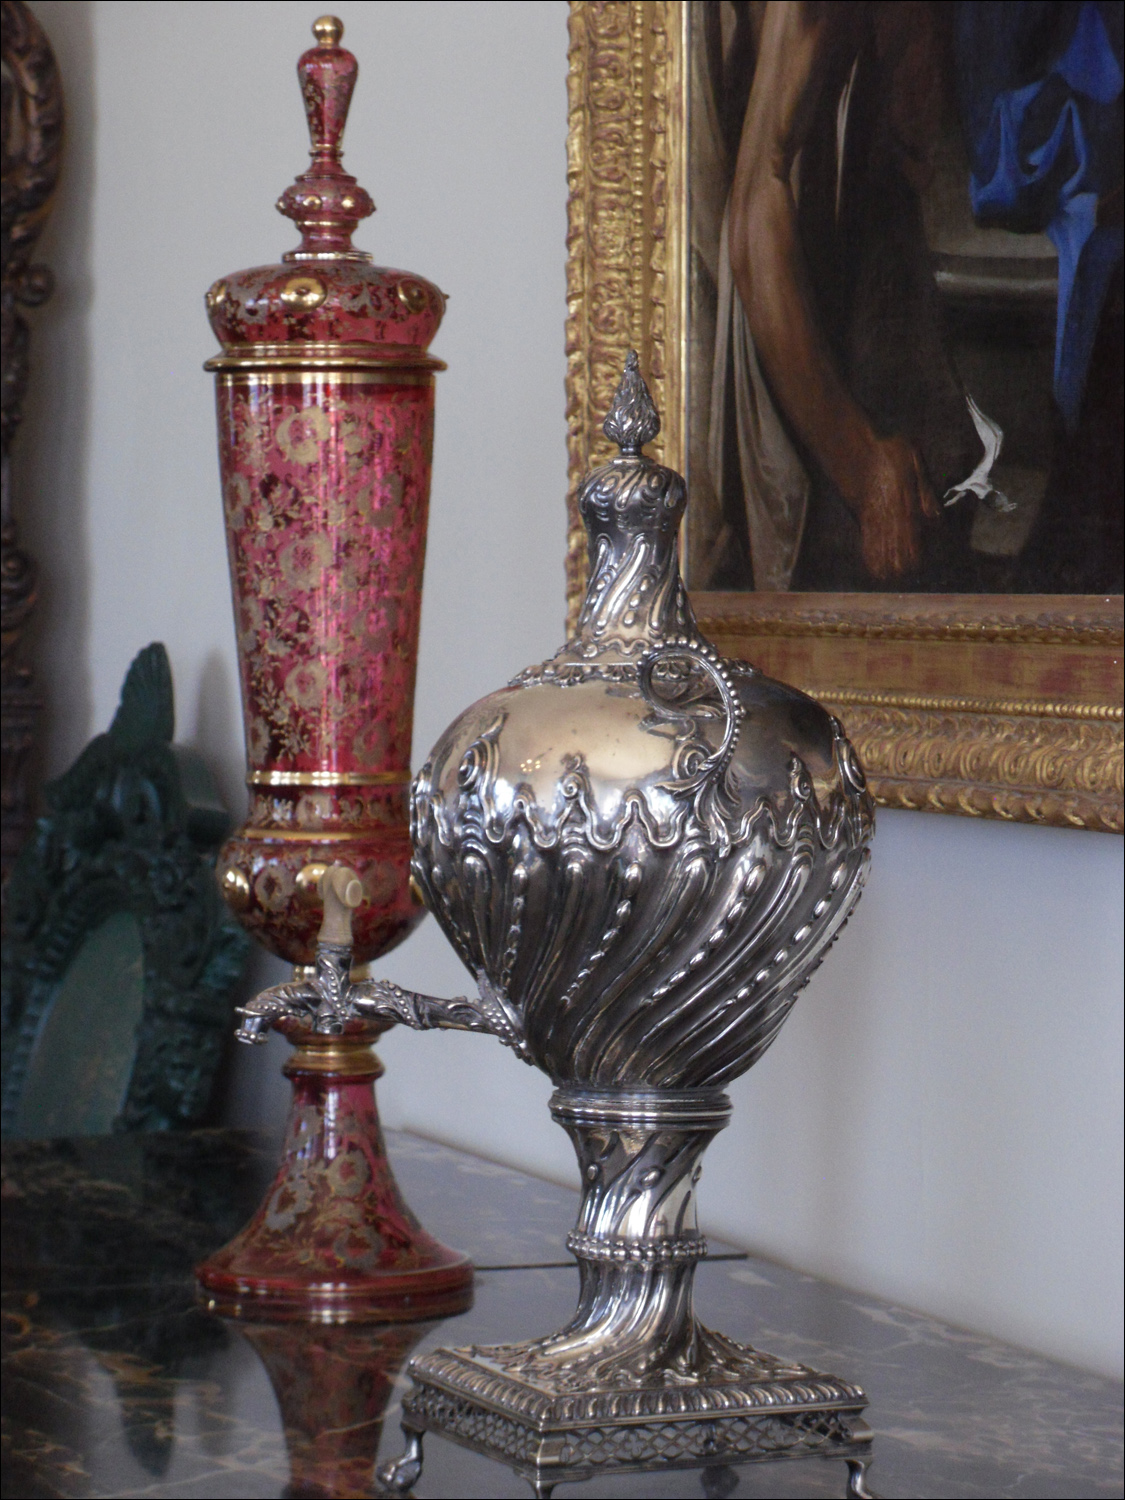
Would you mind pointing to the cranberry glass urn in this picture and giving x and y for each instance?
(325, 397)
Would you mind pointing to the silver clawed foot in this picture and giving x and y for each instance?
(401, 1475)
(857, 1480)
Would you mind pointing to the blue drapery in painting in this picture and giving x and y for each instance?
(1041, 99)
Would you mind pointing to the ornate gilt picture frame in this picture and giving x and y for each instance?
(995, 705)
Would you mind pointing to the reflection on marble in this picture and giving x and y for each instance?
(117, 1384)
(332, 1385)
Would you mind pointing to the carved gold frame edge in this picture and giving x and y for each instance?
(1022, 759)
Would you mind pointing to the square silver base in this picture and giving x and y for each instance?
(550, 1434)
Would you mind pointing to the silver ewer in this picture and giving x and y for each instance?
(641, 851)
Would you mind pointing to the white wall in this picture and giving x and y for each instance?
(940, 1120)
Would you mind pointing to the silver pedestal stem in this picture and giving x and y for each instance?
(637, 1237)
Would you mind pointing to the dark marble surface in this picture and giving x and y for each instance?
(117, 1384)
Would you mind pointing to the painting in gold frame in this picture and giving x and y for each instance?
(1002, 704)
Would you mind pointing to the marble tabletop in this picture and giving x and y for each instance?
(116, 1383)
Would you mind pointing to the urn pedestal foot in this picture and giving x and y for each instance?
(634, 1382)
(333, 1240)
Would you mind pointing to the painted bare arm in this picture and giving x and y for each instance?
(881, 479)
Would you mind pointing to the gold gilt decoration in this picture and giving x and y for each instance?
(1039, 619)
(1002, 706)
(1030, 768)
(624, 168)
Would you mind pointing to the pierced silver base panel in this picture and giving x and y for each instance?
(633, 1382)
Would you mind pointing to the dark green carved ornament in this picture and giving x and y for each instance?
(119, 958)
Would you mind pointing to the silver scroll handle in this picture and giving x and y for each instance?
(328, 998)
(699, 764)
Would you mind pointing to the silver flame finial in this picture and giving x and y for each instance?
(633, 419)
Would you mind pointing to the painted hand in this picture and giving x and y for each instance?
(895, 496)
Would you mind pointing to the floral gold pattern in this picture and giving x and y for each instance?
(312, 568)
(333, 1232)
(325, 485)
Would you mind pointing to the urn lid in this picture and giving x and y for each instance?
(325, 299)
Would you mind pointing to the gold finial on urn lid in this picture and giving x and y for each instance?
(328, 30)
